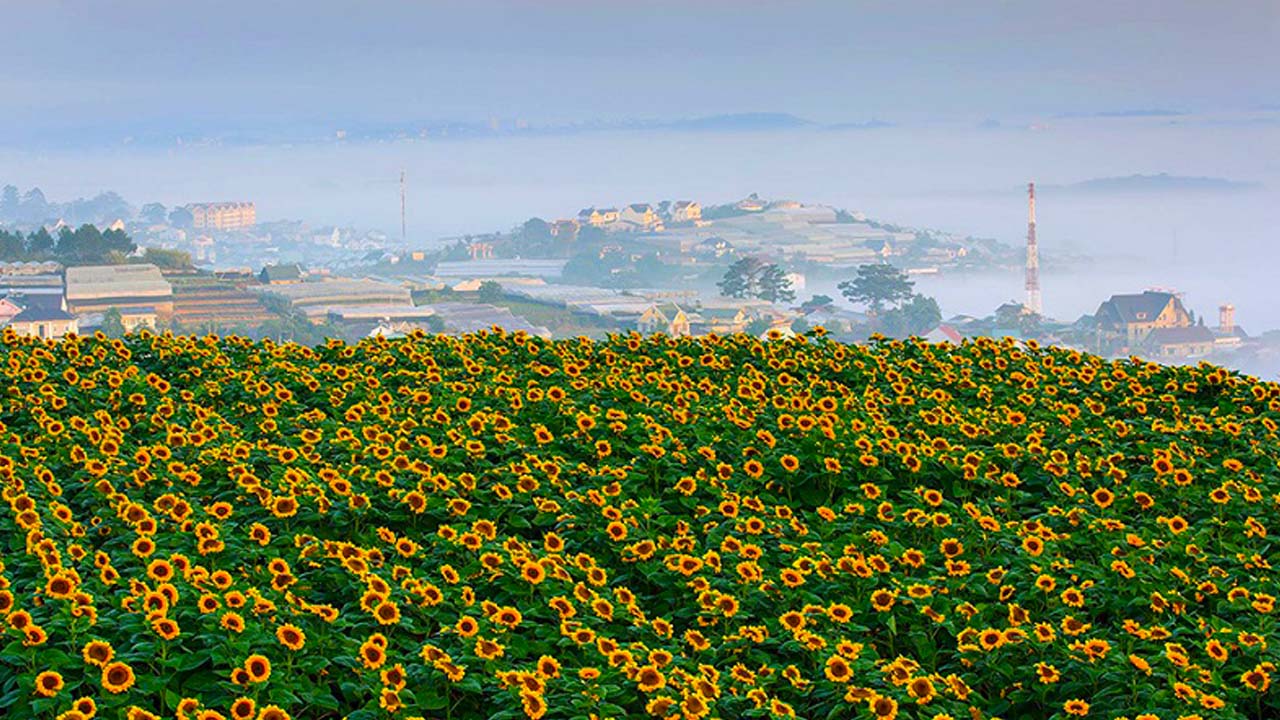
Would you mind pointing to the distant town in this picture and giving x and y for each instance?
(676, 266)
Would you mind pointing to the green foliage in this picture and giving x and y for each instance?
(40, 243)
(775, 286)
(758, 327)
(977, 531)
(12, 246)
(168, 259)
(112, 323)
(877, 287)
(816, 302)
(153, 213)
(752, 277)
(740, 280)
(489, 291)
(917, 316)
(87, 245)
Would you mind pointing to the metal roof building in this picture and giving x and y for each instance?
(94, 288)
(340, 292)
(497, 267)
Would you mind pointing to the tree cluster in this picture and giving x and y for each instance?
(752, 277)
(891, 301)
(33, 207)
(86, 245)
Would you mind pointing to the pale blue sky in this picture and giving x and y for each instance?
(148, 64)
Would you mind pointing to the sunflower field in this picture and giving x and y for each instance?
(500, 526)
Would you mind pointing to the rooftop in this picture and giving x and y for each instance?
(1191, 335)
(340, 292)
(499, 266)
(93, 282)
(1136, 307)
(41, 313)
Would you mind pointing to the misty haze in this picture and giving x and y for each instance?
(609, 360)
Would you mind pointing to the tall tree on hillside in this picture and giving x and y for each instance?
(489, 291)
(112, 323)
(66, 243)
(877, 286)
(11, 245)
(40, 243)
(775, 286)
(742, 279)
(87, 244)
(168, 259)
(752, 277)
(117, 241)
(916, 316)
(153, 213)
(536, 230)
(82, 245)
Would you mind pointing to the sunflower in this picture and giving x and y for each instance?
(117, 677)
(48, 683)
(488, 649)
(533, 573)
(534, 706)
(921, 690)
(883, 600)
(883, 707)
(86, 706)
(284, 507)
(166, 628)
(507, 617)
(97, 652)
(837, 670)
(1257, 679)
(548, 667)
(243, 709)
(291, 636)
(273, 712)
(650, 679)
(1076, 707)
(990, 639)
(372, 654)
(258, 668)
(232, 621)
(387, 613)
(60, 587)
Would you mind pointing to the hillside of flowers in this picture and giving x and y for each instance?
(500, 526)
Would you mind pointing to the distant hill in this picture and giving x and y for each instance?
(868, 125)
(1138, 113)
(741, 122)
(1163, 182)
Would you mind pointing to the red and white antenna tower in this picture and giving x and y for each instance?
(404, 236)
(1033, 255)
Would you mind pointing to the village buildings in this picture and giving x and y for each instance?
(95, 288)
(43, 316)
(223, 216)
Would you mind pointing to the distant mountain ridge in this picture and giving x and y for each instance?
(1162, 182)
(740, 122)
(198, 134)
(1136, 113)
